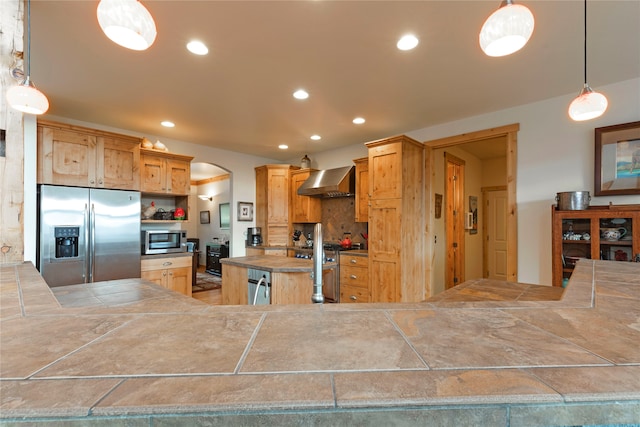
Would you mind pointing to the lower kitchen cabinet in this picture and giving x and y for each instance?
(354, 278)
(173, 273)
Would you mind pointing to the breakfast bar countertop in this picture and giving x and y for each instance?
(128, 352)
(274, 264)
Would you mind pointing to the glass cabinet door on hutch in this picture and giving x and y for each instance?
(600, 232)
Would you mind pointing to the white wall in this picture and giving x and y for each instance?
(555, 154)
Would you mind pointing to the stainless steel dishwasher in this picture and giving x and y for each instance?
(259, 287)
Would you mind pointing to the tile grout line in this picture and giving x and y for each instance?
(406, 339)
(252, 339)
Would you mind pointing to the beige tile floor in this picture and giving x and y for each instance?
(138, 352)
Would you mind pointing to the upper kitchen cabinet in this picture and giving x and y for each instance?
(397, 261)
(362, 189)
(83, 157)
(272, 203)
(165, 173)
(303, 209)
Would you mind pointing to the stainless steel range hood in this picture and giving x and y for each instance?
(339, 182)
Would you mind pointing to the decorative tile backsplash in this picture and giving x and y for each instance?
(338, 217)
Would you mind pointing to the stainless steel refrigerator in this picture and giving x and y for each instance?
(87, 235)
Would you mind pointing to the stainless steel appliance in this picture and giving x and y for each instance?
(87, 235)
(259, 287)
(163, 241)
(254, 236)
(330, 276)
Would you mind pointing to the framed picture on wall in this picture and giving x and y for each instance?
(617, 165)
(205, 217)
(225, 216)
(245, 211)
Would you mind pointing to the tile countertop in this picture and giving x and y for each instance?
(128, 352)
(274, 264)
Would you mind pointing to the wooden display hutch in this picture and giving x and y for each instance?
(579, 234)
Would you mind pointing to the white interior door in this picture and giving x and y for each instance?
(496, 234)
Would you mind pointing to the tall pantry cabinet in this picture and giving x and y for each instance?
(272, 203)
(396, 220)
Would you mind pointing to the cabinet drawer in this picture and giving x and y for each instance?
(349, 294)
(354, 276)
(165, 262)
(357, 261)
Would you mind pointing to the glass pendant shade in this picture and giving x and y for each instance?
(127, 23)
(26, 98)
(507, 30)
(588, 105)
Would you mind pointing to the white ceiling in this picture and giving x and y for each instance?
(343, 52)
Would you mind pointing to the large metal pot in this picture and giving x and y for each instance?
(573, 200)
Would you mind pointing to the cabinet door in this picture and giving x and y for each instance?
(178, 176)
(385, 167)
(362, 190)
(66, 157)
(278, 197)
(385, 237)
(304, 209)
(179, 280)
(118, 164)
(153, 174)
(159, 277)
(350, 294)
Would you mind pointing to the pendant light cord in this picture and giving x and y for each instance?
(585, 42)
(28, 39)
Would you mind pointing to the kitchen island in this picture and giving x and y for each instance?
(291, 281)
(129, 352)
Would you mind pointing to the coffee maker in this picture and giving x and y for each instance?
(254, 236)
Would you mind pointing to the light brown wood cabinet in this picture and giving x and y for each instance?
(362, 189)
(397, 263)
(303, 209)
(165, 173)
(272, 203)
(354, 278)
(83, 157)
(173, 273)
(580, 234)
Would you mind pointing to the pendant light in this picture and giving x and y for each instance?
(25, 97)
(127, 23)
(507, 30)
(589, 104)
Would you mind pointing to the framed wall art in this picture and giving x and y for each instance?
(225, 215)
(205, 218)
(617, 159)
(245, 211)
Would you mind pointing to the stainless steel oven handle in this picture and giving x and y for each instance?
(92, 262)
(85, 264)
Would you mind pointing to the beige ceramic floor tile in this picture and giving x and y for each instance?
(164, 344)
(613, 337)
(593, 384)
(26, 344)
(43, 398)
(485, 338)
(329, 341)
(472, 387)
(217, 393)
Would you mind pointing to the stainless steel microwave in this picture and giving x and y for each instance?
(163, 241)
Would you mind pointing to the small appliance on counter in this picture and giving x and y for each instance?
(254, 236)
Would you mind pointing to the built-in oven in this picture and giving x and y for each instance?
(163, 241)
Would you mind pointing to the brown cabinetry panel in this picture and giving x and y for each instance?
(165, 173)
(304, 209)
(362, 190)
(83, 157)
(272, 203)
(173, 273)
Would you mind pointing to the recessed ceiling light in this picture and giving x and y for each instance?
(300, 94)
(283, 146)
(168, 124)
(407, 42)
(197, 47)
(316, 137)
(358, 120)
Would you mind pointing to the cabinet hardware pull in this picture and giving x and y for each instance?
(167, 263)
(353, 261)
(353, 298)
(353, 276)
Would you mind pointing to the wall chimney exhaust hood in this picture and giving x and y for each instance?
(339, 182)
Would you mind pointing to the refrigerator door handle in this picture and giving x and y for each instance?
(92, 262)
(85, 268)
